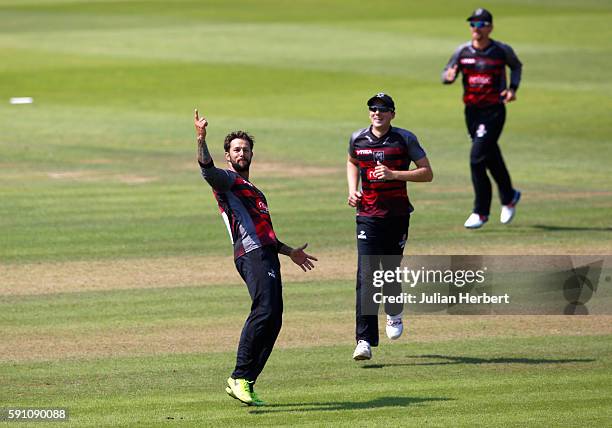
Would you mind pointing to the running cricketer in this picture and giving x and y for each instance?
(380, 156)
(483, 61)
(256, 249)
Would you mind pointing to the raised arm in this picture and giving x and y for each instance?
(218, 179)
(204, 157)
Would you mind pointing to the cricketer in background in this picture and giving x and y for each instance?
(483, 61)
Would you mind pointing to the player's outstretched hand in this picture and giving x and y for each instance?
(200, 124)
(302, 259)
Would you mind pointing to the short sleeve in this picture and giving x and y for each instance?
(413, 147)
(351, 146)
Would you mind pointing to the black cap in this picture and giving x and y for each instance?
(383, 98)
(481, 14)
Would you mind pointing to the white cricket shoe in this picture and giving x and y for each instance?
(474, 221)
(362, 351)
(394, 327)
(508, 211)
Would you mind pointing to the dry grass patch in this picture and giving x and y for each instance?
(300, 330)
(168, 272)
(45, 278)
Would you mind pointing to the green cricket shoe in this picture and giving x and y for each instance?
(240, 390)
(255, 400)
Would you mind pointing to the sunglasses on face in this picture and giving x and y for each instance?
(479, 24)
(381, 109)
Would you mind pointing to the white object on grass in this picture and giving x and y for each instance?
(21, 100)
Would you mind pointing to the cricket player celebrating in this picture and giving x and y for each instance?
(380, 156)
(256, 248)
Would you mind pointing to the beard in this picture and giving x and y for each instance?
(241, 168)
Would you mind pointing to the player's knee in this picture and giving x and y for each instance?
(269, 310)
(478, 162)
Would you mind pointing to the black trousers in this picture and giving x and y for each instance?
(377, 237)
(485, 126)
(260, 270)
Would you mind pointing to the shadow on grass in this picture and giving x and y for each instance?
(473, 360)
(346, 405)
(570, 228)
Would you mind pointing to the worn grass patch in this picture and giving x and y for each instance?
(209, 319)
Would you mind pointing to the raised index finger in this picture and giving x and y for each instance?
(196, 115)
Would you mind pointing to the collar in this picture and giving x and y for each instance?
(374, 138)
(491, 43)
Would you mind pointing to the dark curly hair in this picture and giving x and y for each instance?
(242, 135)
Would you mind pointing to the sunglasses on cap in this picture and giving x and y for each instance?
(381, 109)
(479, 24)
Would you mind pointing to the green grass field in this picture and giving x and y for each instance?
(118, 299)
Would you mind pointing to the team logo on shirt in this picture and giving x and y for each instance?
(371, 174)
(243, 181)
(379, 156)
(480, 79)
(262, 207)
